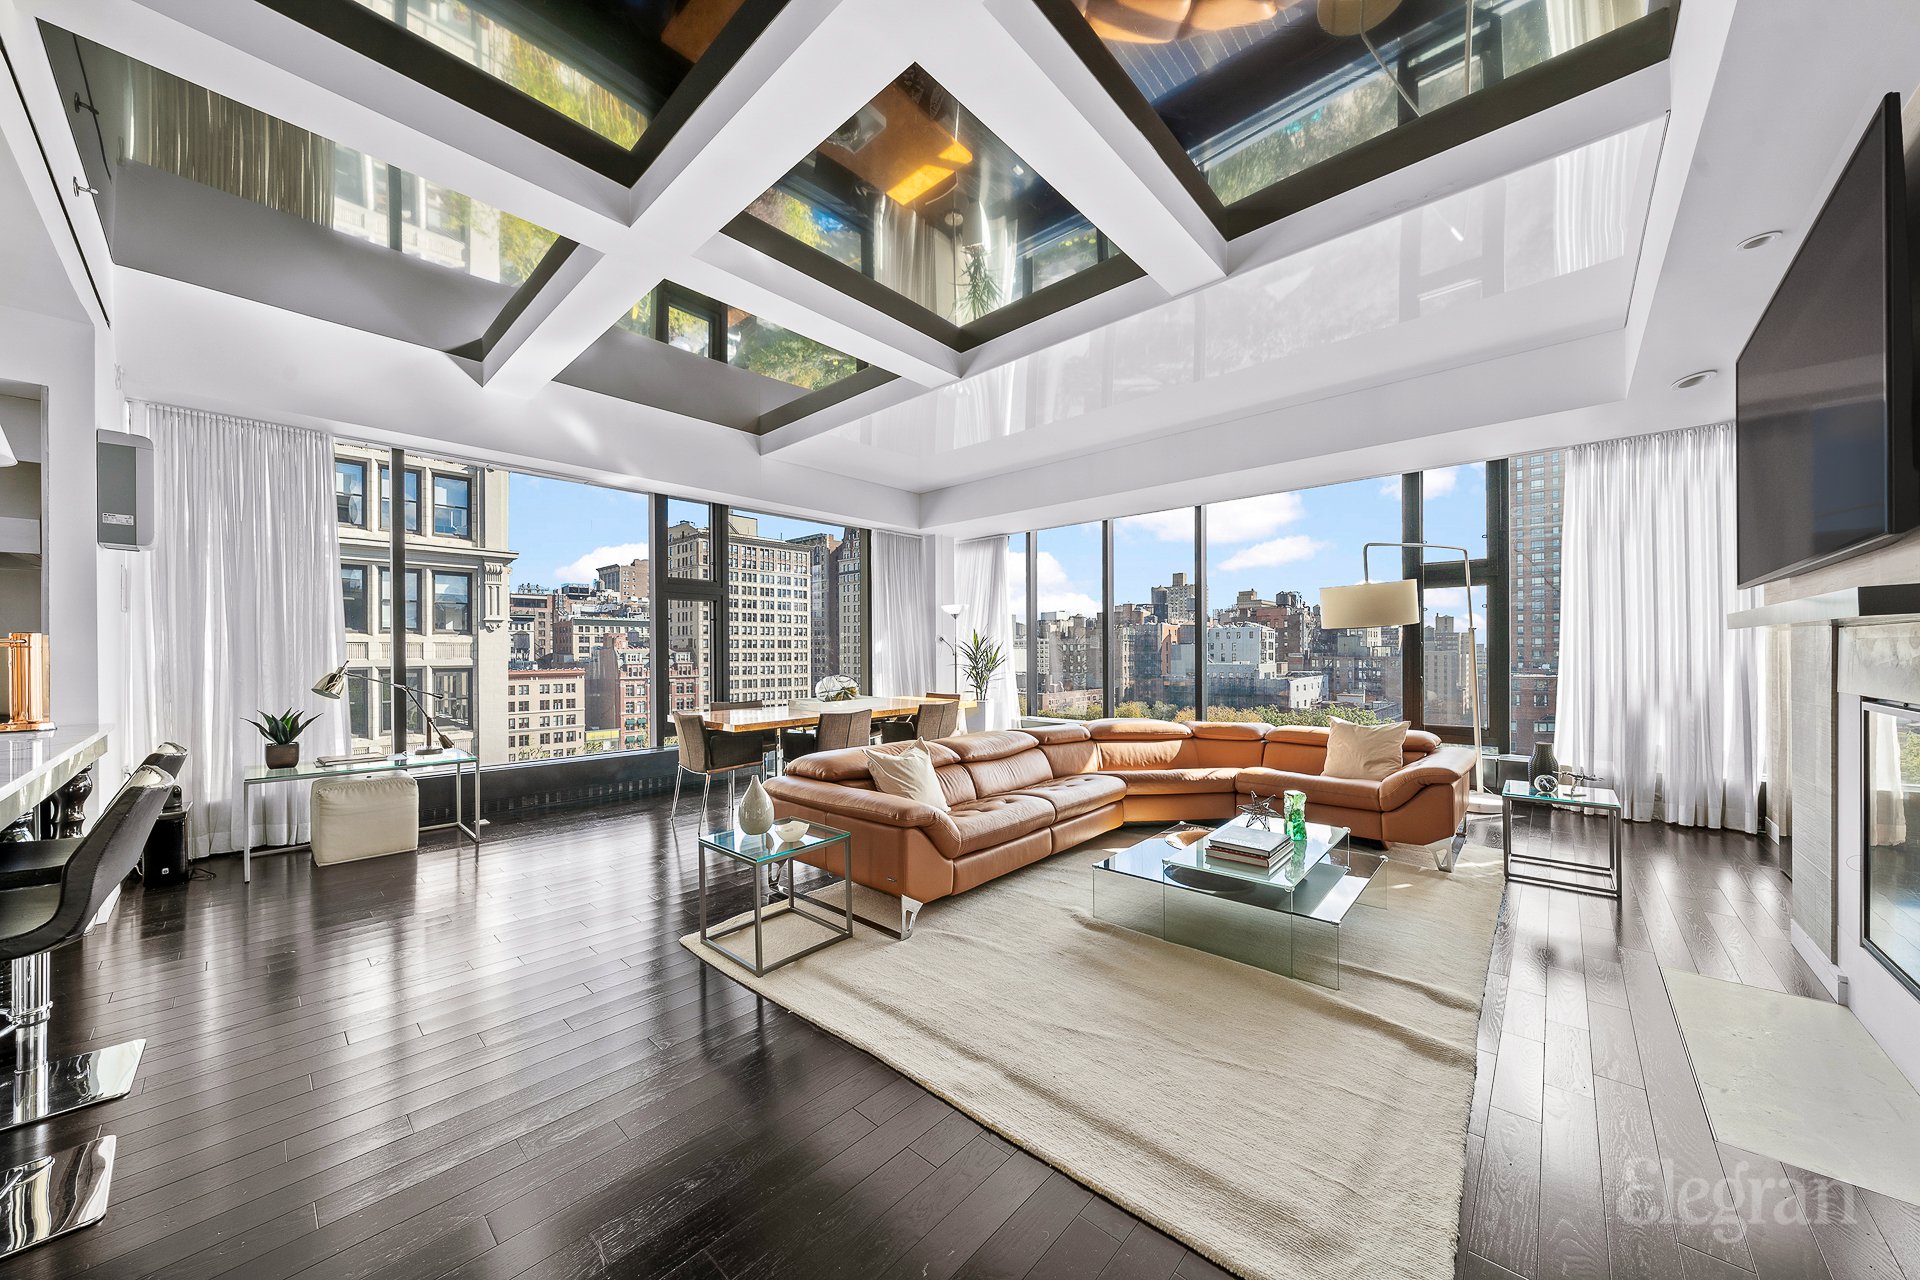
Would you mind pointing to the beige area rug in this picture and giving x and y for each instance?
(1278, 1128)
(1801, 1081)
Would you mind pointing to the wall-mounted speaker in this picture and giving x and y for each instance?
(125, 469)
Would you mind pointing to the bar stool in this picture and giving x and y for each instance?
(50, 893)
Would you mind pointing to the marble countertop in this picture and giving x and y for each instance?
(35, 765)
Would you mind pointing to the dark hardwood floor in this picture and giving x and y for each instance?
(507, 1066)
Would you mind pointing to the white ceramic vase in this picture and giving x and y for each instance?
(756, 810)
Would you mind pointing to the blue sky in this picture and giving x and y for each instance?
(565, 530)
(1299, 541)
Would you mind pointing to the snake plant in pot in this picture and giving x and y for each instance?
(282, 733)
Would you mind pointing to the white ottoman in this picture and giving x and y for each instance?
(365, 817)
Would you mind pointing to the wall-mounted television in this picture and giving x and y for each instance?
(1825, 386)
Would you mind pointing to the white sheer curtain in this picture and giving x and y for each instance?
(1657, 694)
(903, 636)
(246, 608)
(980, 582)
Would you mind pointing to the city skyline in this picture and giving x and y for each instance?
(1298, 541)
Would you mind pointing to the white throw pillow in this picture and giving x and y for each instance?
(1365, 752)
(908, 774)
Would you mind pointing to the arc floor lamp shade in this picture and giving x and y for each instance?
(1371, 604)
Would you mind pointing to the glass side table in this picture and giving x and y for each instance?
(774, 854)
(1528, 867)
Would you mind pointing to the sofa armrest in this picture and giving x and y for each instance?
(873, 806)
(1442, 768)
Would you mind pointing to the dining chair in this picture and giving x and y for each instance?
(708, 752)
(939, 719)
(907, 728)
(837, 729)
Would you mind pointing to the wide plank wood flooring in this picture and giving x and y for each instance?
(507, 1066)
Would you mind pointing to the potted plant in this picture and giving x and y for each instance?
(980, 660)
(282, 733)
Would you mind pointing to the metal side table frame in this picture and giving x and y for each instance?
(1587, 798)
(462, 762)
(770, 852)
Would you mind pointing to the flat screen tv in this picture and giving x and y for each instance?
(1825, 386)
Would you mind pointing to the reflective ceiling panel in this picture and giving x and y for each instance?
(587, 77)
(687, 320)
(1450, 272)
(917, 195)
(1256, 91)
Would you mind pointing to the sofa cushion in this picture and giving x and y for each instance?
(1176, 782)
(1136, 729)
(982, 824)
(1228, 730)
(907, 773)
(1367, 752)
(850, 764)
(1079, 793)
(1001, 762)
(1348, 793)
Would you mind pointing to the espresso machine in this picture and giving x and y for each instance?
(26, 686)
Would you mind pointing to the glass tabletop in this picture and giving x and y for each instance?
(1192, 847)
(319, 768)
(1572, 797)
(1332, 872)
(770, 847)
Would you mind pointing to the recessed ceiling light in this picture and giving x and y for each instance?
(1695, 379)
(1765, 237)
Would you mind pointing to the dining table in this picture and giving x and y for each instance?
(780, 715)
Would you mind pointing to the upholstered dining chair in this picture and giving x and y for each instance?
(908, 728)
(708, 752)
(837, 729)
(938, 719)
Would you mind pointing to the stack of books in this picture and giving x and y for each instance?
(1250, 846)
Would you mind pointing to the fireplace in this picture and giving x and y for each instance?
(1890, 822)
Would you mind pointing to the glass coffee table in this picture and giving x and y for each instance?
(773, 853)
(1286, 921)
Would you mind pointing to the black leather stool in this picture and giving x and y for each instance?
(50, 892)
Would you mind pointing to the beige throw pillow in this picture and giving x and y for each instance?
(908, 774)
(1365, 752)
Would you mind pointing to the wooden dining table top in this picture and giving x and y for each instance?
(780, 716)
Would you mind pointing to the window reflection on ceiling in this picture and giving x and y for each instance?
(1551, 220)
(142, 116)
(605, 64)
(692, 322)
(1259, 90)
(916, 194)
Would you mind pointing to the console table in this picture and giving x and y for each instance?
(259, 776)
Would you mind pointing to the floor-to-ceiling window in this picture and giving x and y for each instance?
(1069, 645)
(1267, 656)
(1155, 609)
(543, 644)
(1123, 614)
(1533, 540)
(797, 602)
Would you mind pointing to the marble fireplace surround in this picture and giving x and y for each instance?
(1834, 666)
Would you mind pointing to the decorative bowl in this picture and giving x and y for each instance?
(791, 829)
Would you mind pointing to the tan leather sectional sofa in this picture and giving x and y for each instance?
(1018, 796)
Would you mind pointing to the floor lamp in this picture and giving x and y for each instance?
(1396, 603)
(953, 611)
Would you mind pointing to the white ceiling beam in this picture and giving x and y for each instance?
(1005, 62)
(247, 52)
(744, 277)
(818, 62)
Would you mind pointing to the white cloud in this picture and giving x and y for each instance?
(584, 569)
(1438, 484)
(1245, 519)
(1390, 487)
(1059, 593)
(1275, 552)
(1451, 601)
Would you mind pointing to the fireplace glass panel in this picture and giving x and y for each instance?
(1893, 840)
